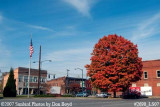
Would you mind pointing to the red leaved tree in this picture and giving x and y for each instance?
(114, 64)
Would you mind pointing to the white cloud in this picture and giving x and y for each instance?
(69, 55)
(66, 33)
(1, 18)
(23, 24)
(149, 50)
(39, 27)
(147, 28)
(83, 6)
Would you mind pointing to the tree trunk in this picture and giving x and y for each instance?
(114, 93)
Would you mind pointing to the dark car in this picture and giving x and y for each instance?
(131, 94)
(82, 94)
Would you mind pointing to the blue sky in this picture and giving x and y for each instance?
(69, 29)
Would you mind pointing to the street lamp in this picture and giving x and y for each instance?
(39, 77)
(67, 72)
(82, 77)
(42, 61)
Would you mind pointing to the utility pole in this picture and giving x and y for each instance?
(39, 74)
(67, 81)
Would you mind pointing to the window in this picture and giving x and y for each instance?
(145, 75)
(158, 74)
(145, 84)
(43, 80)
(35, 79)
(20, 78)
(158, 84)
(25, 78)
(31, 78)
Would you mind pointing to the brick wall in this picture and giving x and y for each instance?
(151, 68)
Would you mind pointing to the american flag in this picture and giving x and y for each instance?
(31, 48)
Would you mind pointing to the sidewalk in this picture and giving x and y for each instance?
(154, 97)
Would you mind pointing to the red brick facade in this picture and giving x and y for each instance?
(151, 78)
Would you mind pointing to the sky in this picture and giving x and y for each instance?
(67, 30)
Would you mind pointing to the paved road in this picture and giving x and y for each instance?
(80, 102)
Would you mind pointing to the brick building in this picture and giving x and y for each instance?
(21, 76)
(69, 85)
(150, 77)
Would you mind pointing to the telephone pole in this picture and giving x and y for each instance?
(39, 71)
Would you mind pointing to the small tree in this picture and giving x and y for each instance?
(114, 64)
(10, 88)
(1, 86)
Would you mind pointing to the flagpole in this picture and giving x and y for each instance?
(29, 75)
(31, 51)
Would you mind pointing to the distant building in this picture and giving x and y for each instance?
(67, 85)
(21, 76)
(150, 77)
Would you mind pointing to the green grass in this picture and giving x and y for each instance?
(44, 96)
(24, 95)
(68, 95)
(18, 96)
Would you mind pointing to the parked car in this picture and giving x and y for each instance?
(82, 94)
(103, 94)
(131, 94)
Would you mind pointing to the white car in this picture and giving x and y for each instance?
(103, 94)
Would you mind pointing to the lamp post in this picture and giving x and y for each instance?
(82, 77)
(42, 61)
(39, 76)
(67, 72)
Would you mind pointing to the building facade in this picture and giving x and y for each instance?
(69, 85)
(150, 77)
(21, 76)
